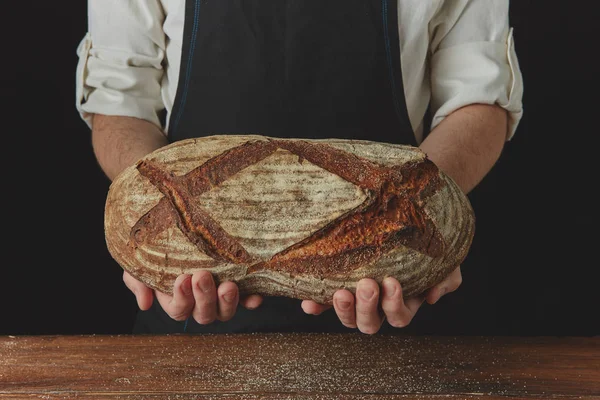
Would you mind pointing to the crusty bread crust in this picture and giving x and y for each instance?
(299, 218)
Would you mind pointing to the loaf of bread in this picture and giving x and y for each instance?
(299, 218)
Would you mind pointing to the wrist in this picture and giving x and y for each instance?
(467, 143)
(119, 142)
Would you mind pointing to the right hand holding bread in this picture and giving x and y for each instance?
(194, 296)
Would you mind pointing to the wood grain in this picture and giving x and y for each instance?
(271, 396)
(299, 366)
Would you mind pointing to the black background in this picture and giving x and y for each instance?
(533, 266)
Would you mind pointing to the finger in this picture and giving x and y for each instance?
(455, 281)
(393, 305)
(178, 306)
(314, 308)
(143, 294)
(368, 317)
(448, 285)
(399, 313)
(251, 301)
(413, 304)
(344, 306)
(228, 295)
(435, 294)
(205, 295)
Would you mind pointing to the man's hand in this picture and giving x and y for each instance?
(194, 295)
(364, 311)
(465, 145)
(119, 142)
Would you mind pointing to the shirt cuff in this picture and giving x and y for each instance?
(479, 72)
(113, 82)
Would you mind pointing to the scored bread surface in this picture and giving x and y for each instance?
(299, 218)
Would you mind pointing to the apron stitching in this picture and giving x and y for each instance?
(189, 64)
(388, 51)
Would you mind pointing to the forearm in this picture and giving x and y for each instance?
(119, 142)
(467, 143)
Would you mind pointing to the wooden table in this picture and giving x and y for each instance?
(298, 366)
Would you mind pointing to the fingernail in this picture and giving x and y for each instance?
(389, 287)
(365, 293)
(186, 286)
(229, 297)
(343, 305)
(205, 284)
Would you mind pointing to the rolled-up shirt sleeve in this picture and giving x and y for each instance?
(474, 60)
(119, 70)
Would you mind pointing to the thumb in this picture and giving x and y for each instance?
(314, 308)
(251, 301)
(143, 294)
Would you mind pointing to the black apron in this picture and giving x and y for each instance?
(286, 68)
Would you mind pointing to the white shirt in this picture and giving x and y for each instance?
(453, 53)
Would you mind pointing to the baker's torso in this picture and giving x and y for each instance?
(294, 68)
(414, 17)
